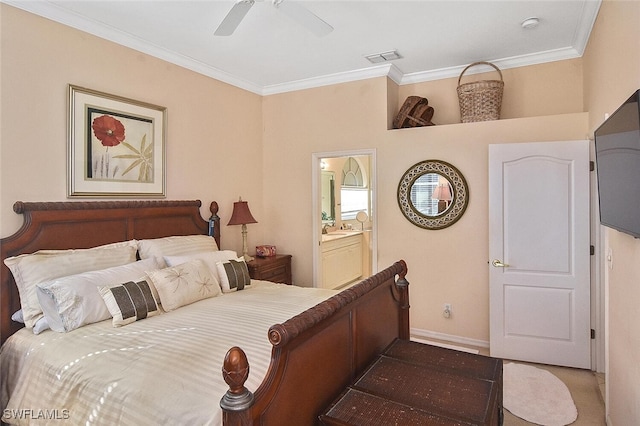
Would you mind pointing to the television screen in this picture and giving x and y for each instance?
(617, 143)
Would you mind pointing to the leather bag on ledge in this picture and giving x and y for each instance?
(415, 112)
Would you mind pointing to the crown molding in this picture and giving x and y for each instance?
(503, 64)
(585, 26)
(51, 11)
(386, 70)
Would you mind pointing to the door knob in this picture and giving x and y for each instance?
(498, 264)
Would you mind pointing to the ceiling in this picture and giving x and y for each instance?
(271, 53)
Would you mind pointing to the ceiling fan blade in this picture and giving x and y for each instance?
(234, 17)
(304, 17)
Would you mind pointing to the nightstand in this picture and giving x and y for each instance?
(273, 268)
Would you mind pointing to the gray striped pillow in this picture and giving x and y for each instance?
(234, 275)
(129, 302)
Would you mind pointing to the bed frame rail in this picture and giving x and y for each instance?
(317, 353)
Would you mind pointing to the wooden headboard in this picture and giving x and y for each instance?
(65, 225)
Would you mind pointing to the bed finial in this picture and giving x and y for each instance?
(235, 372)
(213, 220)
(213, 208)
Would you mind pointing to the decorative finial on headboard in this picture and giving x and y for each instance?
(213, 208)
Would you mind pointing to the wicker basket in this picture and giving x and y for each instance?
(480, 100)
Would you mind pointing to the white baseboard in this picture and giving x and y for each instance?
(448, 338)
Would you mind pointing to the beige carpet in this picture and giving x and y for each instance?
(537, 396)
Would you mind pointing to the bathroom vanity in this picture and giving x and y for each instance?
(342, 259)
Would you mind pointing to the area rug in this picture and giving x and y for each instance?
(537, 396)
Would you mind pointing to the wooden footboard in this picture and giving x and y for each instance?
(314, 355)
(318, 352)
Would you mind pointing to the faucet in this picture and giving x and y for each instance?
(324, 228)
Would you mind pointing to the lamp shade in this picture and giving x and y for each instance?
(241, 214)
(442, 192)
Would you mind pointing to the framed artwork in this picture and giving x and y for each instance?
(116, 146)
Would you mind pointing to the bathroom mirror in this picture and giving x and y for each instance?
(433, 194)
(328, 197)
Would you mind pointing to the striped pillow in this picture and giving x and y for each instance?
(31, 269)
(178, 245)
(234, 275)
(129, 302)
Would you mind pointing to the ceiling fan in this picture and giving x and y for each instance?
(295, 11)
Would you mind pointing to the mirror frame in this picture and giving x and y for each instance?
(449, 216)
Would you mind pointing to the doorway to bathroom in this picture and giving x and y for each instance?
(344, 234)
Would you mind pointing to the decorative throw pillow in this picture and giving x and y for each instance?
(184, 284)
(31, 269)
(71, 302)
(234, 275)
(129, 302)
(211, 258)
(176, 246)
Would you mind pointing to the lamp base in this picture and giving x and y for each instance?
(245, 251)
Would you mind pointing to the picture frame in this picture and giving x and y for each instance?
(116, 146)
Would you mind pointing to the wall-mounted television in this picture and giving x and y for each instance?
(617, 143)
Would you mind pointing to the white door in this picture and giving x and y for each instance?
(539, 252)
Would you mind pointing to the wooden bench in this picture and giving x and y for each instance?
(414, 383)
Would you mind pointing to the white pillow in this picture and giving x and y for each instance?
(71, 302)
(17, 316)
(31, 269)
(211, 258)
(129, 302)
(176, 246)
(184, 284)
(234, 274)
(41, 325)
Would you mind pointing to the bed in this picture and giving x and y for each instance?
(209, 362)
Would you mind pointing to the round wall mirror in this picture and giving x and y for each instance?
(433, 194)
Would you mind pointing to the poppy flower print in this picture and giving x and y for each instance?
(108, 130)
(115, 146)
(113, 157)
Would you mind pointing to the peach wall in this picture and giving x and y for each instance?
(213, 145)
(449, 265)
(266, 144)
(532, 91)
(612, 74)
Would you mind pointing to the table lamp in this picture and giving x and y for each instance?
(241, 216)
(442, 193)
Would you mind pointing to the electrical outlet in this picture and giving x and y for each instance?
(447, 310)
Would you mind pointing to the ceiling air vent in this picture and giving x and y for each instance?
(377, 58)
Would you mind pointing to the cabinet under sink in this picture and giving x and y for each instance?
(341, 258)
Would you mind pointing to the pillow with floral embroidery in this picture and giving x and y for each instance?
(184, 284)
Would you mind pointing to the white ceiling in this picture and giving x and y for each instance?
(270, 53)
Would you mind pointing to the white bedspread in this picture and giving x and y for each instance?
(164, 370)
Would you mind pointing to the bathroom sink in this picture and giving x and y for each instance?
(334, 235)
